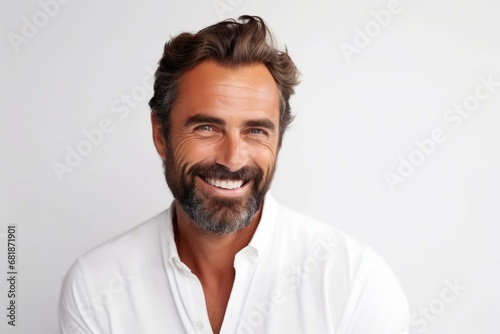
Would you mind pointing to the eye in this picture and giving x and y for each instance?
(256, 131)
(204, 128)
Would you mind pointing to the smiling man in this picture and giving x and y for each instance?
(223, 136)
(225, 257)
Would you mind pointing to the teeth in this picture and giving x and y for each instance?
(225, 184)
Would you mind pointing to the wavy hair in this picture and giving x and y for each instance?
(228, 43)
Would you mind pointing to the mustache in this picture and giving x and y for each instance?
(215, 171)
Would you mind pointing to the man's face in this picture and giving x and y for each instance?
(224, 133)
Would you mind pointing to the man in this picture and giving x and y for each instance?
(225, 257)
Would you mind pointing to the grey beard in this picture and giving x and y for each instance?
(224, 217)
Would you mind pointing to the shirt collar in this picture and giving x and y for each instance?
(265, 230)
(168, 241)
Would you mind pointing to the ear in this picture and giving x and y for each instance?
(158, 139)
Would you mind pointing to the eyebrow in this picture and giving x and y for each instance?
(261, 123)
(200, 118)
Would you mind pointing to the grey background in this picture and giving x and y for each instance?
(354, 119)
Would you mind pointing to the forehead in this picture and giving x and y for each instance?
(209, 87)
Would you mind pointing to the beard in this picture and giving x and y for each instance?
(216, 215)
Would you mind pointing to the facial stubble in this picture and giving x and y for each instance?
(212, 214)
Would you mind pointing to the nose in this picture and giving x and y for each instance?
(232, 152)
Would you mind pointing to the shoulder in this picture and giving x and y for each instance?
(99, 275)
(120, 257)
(306, 230)
(130, 244)
(358, 283)
(309, 240)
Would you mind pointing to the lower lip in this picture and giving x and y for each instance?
(223, 192)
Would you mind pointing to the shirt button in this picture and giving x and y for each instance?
(199, 325)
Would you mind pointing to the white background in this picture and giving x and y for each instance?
(354, 120)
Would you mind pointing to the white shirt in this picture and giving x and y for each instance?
(296, 275)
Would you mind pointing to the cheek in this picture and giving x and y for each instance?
(265, 156)
(191, 150)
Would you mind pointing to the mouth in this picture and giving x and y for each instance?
(224, 184)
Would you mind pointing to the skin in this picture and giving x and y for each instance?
(236, 124)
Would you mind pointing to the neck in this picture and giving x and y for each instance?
(208, 255)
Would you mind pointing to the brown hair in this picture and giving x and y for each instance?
(228, 43)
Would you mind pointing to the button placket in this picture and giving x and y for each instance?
(242, 266)
(198, 311)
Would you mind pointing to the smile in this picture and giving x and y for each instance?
(225, 184)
